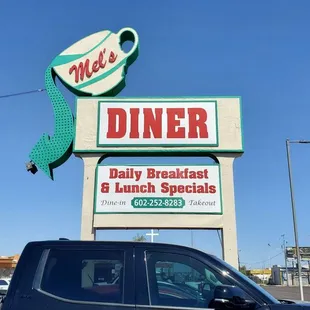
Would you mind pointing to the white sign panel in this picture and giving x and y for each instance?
(160, 123)
(158, 189)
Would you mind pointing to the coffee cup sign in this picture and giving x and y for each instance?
(97, 64)
(93, 66)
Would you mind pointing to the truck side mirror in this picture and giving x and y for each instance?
(230, 297)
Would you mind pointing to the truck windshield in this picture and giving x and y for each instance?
(248, 280)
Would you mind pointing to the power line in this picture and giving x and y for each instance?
(23, 93)
(263, 261)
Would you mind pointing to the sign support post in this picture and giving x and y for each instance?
(229, 236)
(88, 232)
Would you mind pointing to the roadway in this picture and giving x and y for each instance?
(284, 292)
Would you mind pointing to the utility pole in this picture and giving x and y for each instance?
(294, 212)
(285, 258)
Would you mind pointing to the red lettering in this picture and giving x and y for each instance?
(151, 173)
(194, 188)
(85, 68)
(212, 189)
(172, 123)
(80, 71)
(113, 173)
(134, 123)
(112, 57)
(96, 66)
(105, 187)
(100, 59)
(116, 116)
(197, 118)
(153, 123)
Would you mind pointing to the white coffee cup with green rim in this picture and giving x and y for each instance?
(97, 64)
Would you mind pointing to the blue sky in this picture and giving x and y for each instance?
(258, 50)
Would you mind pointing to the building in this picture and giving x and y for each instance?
(279, 276)
(262, 274)
(9, 261)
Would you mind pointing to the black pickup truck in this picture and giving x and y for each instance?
(78, 275)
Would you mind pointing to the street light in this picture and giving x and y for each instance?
(294, 211)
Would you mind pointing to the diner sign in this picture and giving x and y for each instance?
(157, 123)
(158, 189)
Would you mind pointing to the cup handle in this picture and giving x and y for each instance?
(129, 34)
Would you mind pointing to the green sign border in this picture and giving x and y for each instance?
(158, 148)
(150, 165)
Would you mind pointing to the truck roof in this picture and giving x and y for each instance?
(123, 243)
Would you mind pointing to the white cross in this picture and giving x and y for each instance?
(152, 234)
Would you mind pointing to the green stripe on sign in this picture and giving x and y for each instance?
(64, 59)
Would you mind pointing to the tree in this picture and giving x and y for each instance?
(139, 238)
(243, 270)
(6, 272)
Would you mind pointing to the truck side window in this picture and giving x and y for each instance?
(79, 275)
(180, 281)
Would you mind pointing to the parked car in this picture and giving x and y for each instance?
(4, 285)
(64, 275)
